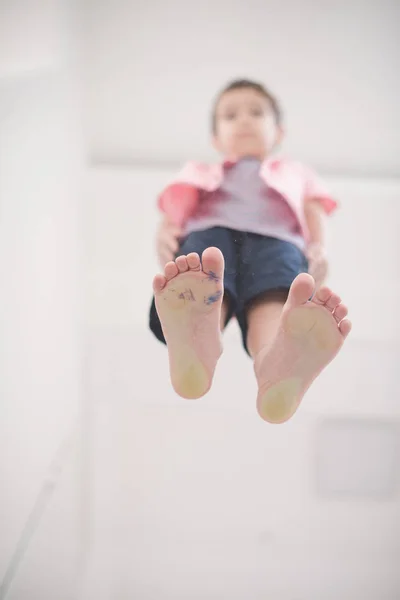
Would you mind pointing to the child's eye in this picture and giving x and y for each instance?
(257, 112)
(230, 116)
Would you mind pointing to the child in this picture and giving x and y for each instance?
(256, 221)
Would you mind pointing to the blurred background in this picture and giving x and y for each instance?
(111, 487)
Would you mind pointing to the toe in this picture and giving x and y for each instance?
(301, 289)
(193, 261)
(322, 296)
(340, 312)
(213, 263)
(333, 302)
(159, 283)
(182, 264)
(345, 327)
(170, 270)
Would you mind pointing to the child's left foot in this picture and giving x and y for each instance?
(310, 335)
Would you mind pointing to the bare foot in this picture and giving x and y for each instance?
(310, 335)
(188, 299)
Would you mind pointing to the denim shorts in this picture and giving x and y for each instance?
(254, 265)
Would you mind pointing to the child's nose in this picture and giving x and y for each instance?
(244, 119)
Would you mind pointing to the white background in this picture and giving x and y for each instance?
(112, 486)
(153, 70)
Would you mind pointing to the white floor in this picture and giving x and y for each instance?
(202, 500)
(48, 560)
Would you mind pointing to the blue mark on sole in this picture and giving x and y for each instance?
(213, 276)
(213, 298)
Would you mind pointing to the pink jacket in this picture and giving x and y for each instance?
(296, 183)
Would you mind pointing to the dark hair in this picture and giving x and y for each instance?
(240, 84)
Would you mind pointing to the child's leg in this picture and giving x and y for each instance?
(263, 317)
(292, 343)
(291, 340)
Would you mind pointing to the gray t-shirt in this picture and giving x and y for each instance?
(245, 203)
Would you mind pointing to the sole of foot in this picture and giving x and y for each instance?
(310, 335)
(188, 298)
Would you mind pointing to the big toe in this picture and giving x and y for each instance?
(213, 262)
(301, 289)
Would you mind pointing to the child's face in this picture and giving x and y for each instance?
(245, 125)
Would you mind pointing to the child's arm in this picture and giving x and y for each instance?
(315, 216)
(318, 203)
(179, 199)
(167, 241)
(178, 202)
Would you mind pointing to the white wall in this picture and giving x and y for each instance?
(41, 160)
(152, 72)
(203, 499)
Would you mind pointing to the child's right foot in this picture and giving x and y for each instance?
(188, 299)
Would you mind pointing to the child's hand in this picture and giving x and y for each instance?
(317, 263)
(167, 243)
